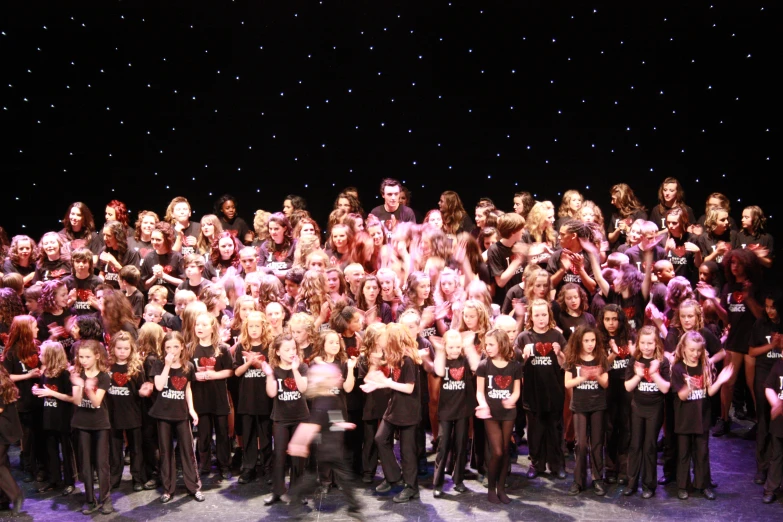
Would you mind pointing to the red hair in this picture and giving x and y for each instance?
(120, 211)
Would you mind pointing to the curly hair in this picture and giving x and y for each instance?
(538, 224)
(134, 361)
(117, 231)
(270, 290)
(13, 250)
(120, 212)
(356, 207)
(371, 338)
(88, 222)
(306, 247)
(297, 202)
(307, 322)
(53, 359)
(342, 314)
(483, 319)
(90, 327)
(319, 349)
(48, 292)
(312, 291)
(297, 233)
(143, 214)
(100, 358)
(747, 259)
(8, 391)
(280, 219)
(210, 296)
(583, 303)
(400, 343)
(631, 278)
(678, 289)
(150, 341)
(711, 218)
(217, 259)
(415, 279)
(573, 350)
(453, 212)
(117, 311)
(260, 221)
(218, 208)
(10, 306)
(266, 337)
(166, 232)
(42, 257)
(625, 200)
(598, 215)
(565, 205)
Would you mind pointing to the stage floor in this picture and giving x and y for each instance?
(733, 467)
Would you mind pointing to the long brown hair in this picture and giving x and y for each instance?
(8, 390)
(573, 350)
(505, 348)
(53, 359)
(117, 311)
(274, 359)
(20, 339)
(320, 346)
(401, 343)
(184, 356)
(97, 350)
(659, 348)
(150, 340)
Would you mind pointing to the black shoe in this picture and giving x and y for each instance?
(225, 475)
(622, 481)
(68, 490)
(665, 479)
(47, 488)
(721, 428)
(574, 490)
(437, 493)
(628, 492)
(151, 484)
(599, 488)
(768, 498)
(90, 508)
(271, 499)
(199, 496)
(740, 414)
(247, 476)
(682, 494)
(647, 493)
(107, 508)
(460, 488)
(165, 498)
(385, 486)
(611, 479)
(561, 474)
(708, 494)
(19, 503)
(751, 433)
(406, 494)
(367, 479)
(760, 478)
(137, 486)
(532, 472)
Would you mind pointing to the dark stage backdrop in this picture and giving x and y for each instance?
(144, 101)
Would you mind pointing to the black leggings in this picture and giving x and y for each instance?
(118, 457)
(282, 434)
(94, 443)
(370, 448)
(498, 437)
(33, 444)
(595, 420)
(775, 474)
(149, 446)
(7, 483)
(643, 454)
(453, 437)
(618, 428)
(54, 441)
(206, 421)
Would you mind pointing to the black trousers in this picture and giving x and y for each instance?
(332, 459)
(370, 448)
(353, 442)
(545, 440)
(149, 447)
(256, 432)
(206, 423)
(643, 454)
(589, 426)
(669, 437)
(7, 483)
(282, 434)
(118, 457)
(480, 449)
(763, 437)
(453, 438)
(696, 448)
(94, 443)
(775, 472)
(33, 443)
(168, 462)
(618, 428)
(54, 441)
(408, 453)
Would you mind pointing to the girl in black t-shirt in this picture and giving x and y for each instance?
(173, 408)
(224, 257)
(57, 411)
(498, 384)
(22, 255)
(403, 412)
(53, 321)
(372, 359)
(214, 365)
(289, 409)
(617, 334)
(773, 391)
(253, 405)
(162, 266)
(20, 359)
(692, 382)
(10, 433)
(150, 345)
(116, 253)
(454, 407)
(91, 421)
(303, 330)
(586, 374)
(128, 386)
(52, 263)
(648, 381)
(540, 349)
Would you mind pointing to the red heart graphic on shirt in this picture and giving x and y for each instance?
(91, 384)
(179, 382)
(234, 233)
(623, 351)
(257, 363)
(679, 251)
(397, 372)
(167, 269)
(78, 243)
(83, 295)
(280, 256)
(57, 274)
(457, 373)
(737, 297)
(385, 370)
(52, 387)
(502, 381)
(31, 361)
(647, 376)
(207, 361)
(290, 383)
(543, 348)
(630, 312)
(120, 379)
(697, 382)
(352, 351)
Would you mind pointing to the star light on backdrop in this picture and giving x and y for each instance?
(142, 105)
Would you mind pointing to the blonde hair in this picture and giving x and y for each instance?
(692, 303)
(306, 321)
(401, 343)
(538, 225)
(150, 340)
(189, 314)
(215, 337)
(134, 361)
(659, 348)
(704, 362)
(483, 319)
(539, 302)
(370, 339)
(452, 335)
(236, 322)
(53, 359)
(266, 331)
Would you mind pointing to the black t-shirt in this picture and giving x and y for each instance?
(761, 335)
(673, 338)
(172, 265)
(137, 303)
(193, 229)
(111, 274)
(170, 403)
(274, 258)
(27, 402)
(571, 276)
(124, 400)
(541, 259)
(142, 247)
(85, 289)
(10, 268)
(741, 318)
(636, 256)
(684, 262)
(568, 323)
(589, 396)
(354, 401)
(290, 406)
(10, 426)
(48, 319)
(405, 408)
(618, 367)
(658, 214)
(544, 389)
(377, 401)
(708, 243)
(691, 416)
(211, 397)
(499, 385)
(237, 226)
(775, 382)
(325, 410)
(253, 399)
(402, 213)
(424, 387)
(85, 415)
(196, 289)
(51, 270)
(83, 239)
(646, 397)
(56, 413)
(515, 292)
(457, 393)
(633, 307)
(762, 239)
(498, 259)
(614, 224)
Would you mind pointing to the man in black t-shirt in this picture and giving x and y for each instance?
(391, 212)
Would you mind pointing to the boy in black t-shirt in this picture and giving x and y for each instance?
(194, 272)
(130, 279)
(505, 259)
